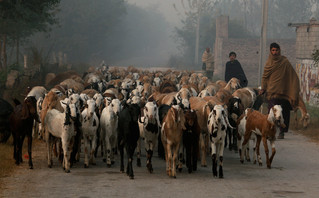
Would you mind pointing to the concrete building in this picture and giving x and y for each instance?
(307, 40)
(247, 50)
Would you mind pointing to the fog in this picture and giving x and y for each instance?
(151, 33)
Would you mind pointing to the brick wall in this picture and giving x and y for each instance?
(247, 51)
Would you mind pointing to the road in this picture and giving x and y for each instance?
(294, 174)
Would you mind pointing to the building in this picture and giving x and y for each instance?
(307, 40)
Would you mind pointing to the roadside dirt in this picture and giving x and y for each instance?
(292, 175)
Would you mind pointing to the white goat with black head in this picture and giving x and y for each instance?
(217, 124)
(60, 125)
(149, 126)
(90, 124)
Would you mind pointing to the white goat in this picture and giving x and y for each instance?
(217, 124)
(90, 124)
(108, 128)
(149, 129)
(60, 125)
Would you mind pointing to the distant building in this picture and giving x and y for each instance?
(307, 41)
(247, 50)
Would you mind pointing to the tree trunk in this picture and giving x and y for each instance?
(0, 53)
(18, 45)
(4, 52)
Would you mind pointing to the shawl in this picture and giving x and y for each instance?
(208, 58)
(234, 69)
(280, 80)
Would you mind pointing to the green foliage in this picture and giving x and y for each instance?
(185, 36)
(22, 18)
(313, 112)
(315, 56)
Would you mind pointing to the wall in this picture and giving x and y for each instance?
(309, 81)
(247, 51)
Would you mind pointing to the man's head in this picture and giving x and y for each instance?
(207, 49)
(275, 49)
(232, 56)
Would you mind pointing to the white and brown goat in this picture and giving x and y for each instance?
(264, 127)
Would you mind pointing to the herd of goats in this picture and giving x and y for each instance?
(119, 108)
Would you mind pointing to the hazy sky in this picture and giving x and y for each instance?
(163, 6)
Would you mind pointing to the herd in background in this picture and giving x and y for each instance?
(112, 109)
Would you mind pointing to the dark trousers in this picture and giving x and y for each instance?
(209, 74)
(286, 108)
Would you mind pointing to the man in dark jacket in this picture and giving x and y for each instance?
(234, 69)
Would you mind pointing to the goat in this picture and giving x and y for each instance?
(305, 117)
(61, 125)
(171, 135)
(21, 122)
(149, 130)
(191, 139)
(264, 126)
(109, 129)
(217, 124)
(128, 134)
(90, 124)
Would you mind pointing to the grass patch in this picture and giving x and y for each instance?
(6, 155)
(6, 161)
(312, 131)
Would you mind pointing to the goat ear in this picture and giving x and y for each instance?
(25, 111)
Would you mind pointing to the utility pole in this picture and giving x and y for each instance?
(199, 5)
(263, 39)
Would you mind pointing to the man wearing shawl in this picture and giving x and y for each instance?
(234, 69)
(208, 63)
(280, 83)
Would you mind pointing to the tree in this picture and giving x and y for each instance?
(185, 35)
(19, 19)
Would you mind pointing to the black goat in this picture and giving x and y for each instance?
(128, 134)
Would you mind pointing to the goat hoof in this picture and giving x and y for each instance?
(255, 162)
(131, 176)
(260, 164)
(67, 171)
(269, 166)
(108, 165)
(86, 166)
(221, 176)
(242, 161)
(30, 167)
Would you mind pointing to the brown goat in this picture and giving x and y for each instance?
(171, 135)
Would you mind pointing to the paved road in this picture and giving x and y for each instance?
(294, 174)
